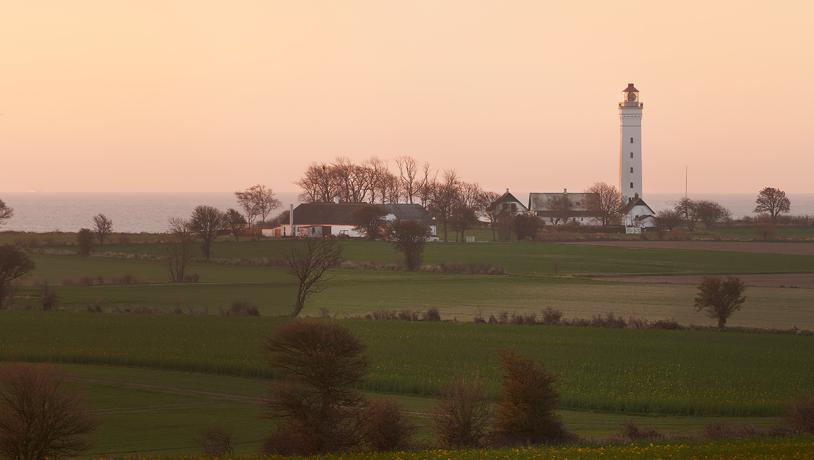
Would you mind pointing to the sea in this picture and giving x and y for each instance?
(151, 212)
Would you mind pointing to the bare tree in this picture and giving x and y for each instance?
(216, 441)
(720, 298)
(605, 201)
(443, 199)
(103, 226)
(235, 223)
(462, 416)
(179, 249)
(14, 263)
(561, 208)
(318, 409)
(711, 213)
(318, 184)
(39, 416)
(370, 220)
(688, 210)
(409, 237)
(772, 201)
(257, 201)
(309, 263)
(491, 211)
(668, 219)
(408, 177)
(6, 213)
(207, 222)
(426, 184)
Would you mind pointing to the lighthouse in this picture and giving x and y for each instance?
(630, 144)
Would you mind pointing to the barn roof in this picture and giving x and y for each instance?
(342, 213)
(539, 202)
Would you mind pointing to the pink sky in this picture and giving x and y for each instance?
(161, 95)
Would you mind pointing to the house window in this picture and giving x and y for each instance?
(631, 185)
(631, 169)
(631, 154)
(631, 140)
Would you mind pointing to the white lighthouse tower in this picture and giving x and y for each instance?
(630, 144)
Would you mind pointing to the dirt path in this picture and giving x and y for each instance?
(776, 280)
(780, 247)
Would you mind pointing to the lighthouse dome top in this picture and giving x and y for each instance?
(630, 89)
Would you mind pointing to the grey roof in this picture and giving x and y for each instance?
(342, 213)
(637, 201)
(540, 201)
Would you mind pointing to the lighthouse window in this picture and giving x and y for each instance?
(631, 169)
(631, 140)
(631, 154)
(631, 185)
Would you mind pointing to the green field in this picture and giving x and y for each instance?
(462, 296)
(155, 379)
(628, 371)
(170, 408)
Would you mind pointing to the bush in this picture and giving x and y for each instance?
(462, 415)
(551, 316)
(84, 240)
(385, 426)
(432, 314)
(719, 430)
(526, 226)
(409, 237)
(525, 415)
(48, 297)
(39, 416)
(800, 416)
(319, 363)
(216, 442)
(632, 432)
(242, 309)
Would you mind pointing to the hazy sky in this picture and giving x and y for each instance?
(168, 95)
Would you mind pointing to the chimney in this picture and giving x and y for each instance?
(565, 191)
(291, 218)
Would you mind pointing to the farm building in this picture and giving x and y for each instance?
(316, 220)
(638, 216)
(563, 207)
(508, 203)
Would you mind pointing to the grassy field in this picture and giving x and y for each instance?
(357, 292)
(170, 408)
(781, 448)
(627, 371)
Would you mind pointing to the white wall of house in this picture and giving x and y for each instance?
(640, 216)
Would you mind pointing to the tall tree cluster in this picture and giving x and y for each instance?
(456, 205)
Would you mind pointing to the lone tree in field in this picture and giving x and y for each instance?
(6, 213)
(103, 227)
(409, 237)
(235, 223)
(206, 223)
(605, 201)
(84, 240)
(309, 262)
(314, 400)
(39, 417)
(525, 415)
(179, 249)
(719, 298)
(14, 263)
(370, 220)
(462, 416)
(772, 201)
